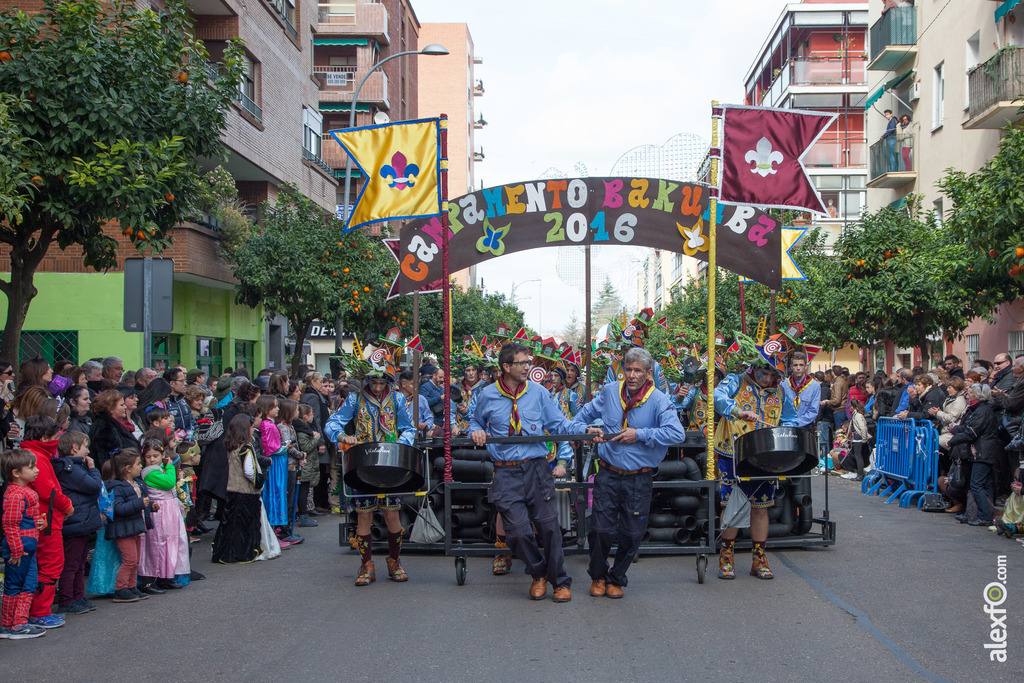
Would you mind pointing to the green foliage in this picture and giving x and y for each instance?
(118, 108)
(217, 192)
(907, 279)
(15, 180)
(607, 307)
(474, 313)
(290, 263)
(988, 214)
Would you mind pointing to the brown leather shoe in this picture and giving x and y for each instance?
(562, 594)
(597, 588)
(538, 589)
(955, 509)
(614, 591)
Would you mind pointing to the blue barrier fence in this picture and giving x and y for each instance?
(906, 461)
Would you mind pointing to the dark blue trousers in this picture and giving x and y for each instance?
(525, 495)
(622, 506)
(21, 578)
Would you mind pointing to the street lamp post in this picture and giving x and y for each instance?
(433, 50)
(516, 286)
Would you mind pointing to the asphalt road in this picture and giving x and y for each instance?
(898, 598)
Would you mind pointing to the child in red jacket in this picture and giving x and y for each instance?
(41, 439)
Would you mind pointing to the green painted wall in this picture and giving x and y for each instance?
(93, 304)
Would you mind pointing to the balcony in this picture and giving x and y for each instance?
(995, 89)
(891, 162)
(836, 153)
(370, 20)
(317, 161)
(249, 105)
(893, 39)
(828, 71)
(375, 90)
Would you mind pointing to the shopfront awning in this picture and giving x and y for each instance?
(1005, 8)
(889, 85)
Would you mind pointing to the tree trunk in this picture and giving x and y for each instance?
(20, 290)
(301, 328)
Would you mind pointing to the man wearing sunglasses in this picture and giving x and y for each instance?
(523, 489)
(748, 401)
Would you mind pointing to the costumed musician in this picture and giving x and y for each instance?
(374, 414)
(747, 401)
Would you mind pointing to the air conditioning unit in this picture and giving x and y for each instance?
(915, 92)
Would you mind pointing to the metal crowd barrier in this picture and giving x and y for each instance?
(906, 462)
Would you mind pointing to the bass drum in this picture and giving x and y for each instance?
(776, 451)
(384, 467)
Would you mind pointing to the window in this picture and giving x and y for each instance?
(312, 130)
(937, 210)
(166, 351)
(337, 12)
(971, 342)
(51, 345)
(938, 94)
(1015, 343)
(972, 57)
(245, 355)
(248, 89)
(677, 267)
(208, 356)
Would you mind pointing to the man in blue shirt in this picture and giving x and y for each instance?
(523, 489)
(378, 413)
(646, 423)
(802, 391)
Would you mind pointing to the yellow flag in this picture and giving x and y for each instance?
(401, 166)
(790, 271)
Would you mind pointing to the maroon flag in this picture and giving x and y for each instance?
(762, 152)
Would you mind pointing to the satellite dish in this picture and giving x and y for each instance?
(380, 118)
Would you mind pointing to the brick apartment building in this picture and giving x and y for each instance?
(272, 136)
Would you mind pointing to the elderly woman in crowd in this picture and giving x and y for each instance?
(976, 442)
(951, 411)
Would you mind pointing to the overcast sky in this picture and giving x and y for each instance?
(570, 82)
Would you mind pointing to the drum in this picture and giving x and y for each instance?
(384, 467)
(776, 451)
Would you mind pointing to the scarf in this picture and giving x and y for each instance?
(515, 426)
(629, 402)
(797, 388)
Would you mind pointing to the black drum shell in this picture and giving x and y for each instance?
(776, 451)
(384, 467)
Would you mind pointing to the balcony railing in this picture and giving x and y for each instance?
(317, 161)
(892, 155)
(336, 77)
(1000, 79)
(837, 153)
(249, 105)
(898, 26)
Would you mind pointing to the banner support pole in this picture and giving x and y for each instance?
(445, 301)
(709, 374)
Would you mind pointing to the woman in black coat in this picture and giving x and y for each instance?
(976, 442)
(111, 431)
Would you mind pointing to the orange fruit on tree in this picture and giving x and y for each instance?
(1014, 270)
(341, 244)
(366, 289)
(37, 180)
(993, 253)
(5, 56)
(1020, 252)
(334, 274)
(169, 197)
(182, 77)
(345, 271)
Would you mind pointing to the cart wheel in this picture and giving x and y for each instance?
(460, 570)
(702, 567)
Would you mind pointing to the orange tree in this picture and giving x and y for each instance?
(988, 212)
(116, 107)
(906, 279)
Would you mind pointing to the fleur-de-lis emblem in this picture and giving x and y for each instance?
(491, 241)
(399, 173)
(763, 158)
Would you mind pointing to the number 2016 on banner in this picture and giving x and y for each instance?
(576, 227)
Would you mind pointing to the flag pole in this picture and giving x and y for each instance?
(446, 300)
(709, 374)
